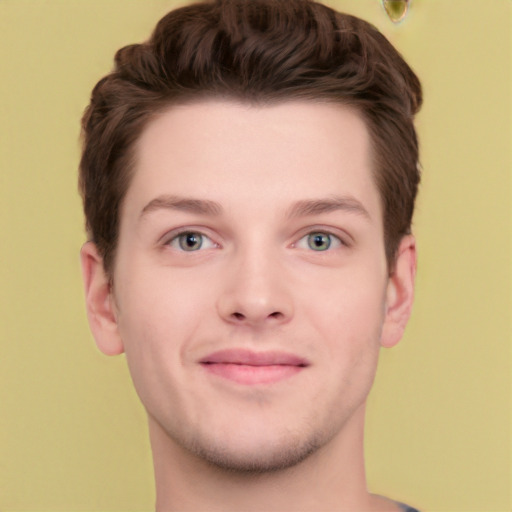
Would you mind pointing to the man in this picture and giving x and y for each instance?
(249, 177)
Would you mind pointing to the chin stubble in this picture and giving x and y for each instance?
(265, 459)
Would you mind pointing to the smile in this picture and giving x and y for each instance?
(253, 368)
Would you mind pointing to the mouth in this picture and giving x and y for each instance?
(253, 368)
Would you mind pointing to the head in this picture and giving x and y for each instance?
(259, 52)
(249, 177)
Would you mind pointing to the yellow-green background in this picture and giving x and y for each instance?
(72, 433)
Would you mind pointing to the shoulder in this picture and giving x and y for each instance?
(406, 508)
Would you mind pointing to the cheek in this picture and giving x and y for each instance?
(155, 335)
(158, 300)
(348, 303)
(346, 325)
(158, 317)
(348, 316)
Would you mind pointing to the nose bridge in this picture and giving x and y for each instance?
(255, 290)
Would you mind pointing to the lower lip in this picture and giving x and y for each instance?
(252, 375)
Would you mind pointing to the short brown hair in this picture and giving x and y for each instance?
(258, 51)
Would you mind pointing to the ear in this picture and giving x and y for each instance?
(400, 293)
(99, 301)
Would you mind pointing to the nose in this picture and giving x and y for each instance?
(255, 292)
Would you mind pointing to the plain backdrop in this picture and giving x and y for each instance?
(73, 436)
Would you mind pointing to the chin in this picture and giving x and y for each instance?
(253, 447)
(263, 456)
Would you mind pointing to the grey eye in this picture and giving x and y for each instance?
(319, 241)
(190, 241)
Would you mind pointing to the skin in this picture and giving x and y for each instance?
(272, 176)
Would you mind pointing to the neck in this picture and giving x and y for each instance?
(332, 478)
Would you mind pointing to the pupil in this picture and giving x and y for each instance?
(320, 241)
(190, 241)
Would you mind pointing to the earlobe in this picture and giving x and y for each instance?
(99, 301)
(400, 293)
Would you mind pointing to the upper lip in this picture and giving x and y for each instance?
(251, 358)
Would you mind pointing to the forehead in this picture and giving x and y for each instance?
(239, 153)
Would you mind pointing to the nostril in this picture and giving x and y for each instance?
(240, 316)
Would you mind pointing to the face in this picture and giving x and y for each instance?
(251, 293)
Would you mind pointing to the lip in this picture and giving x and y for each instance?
(253, 368)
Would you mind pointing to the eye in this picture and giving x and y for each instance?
(319, 241)
(191, 241)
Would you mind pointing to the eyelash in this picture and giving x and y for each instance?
(178, 241)
(310, 238)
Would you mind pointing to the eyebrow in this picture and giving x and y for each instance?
(302, 208)
(184, 204)
(318, 206)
